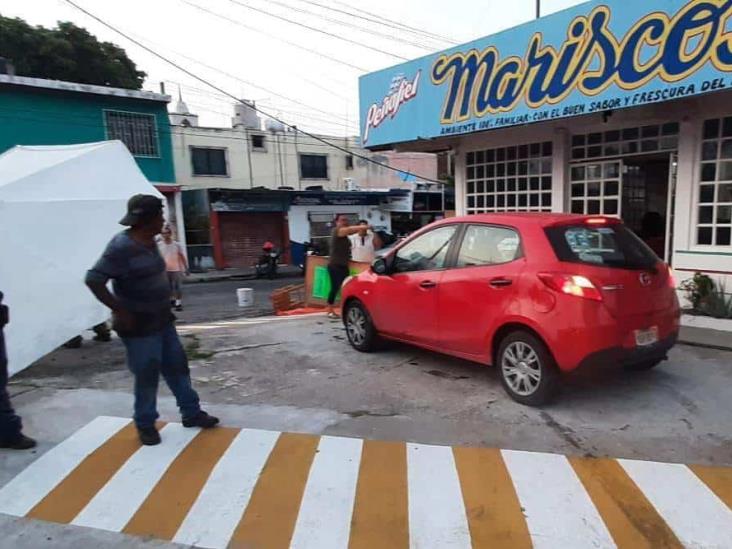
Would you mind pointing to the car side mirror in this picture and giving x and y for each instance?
(380, 266)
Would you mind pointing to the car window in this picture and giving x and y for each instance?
(425, 253)
(484, 245)
(612, 246)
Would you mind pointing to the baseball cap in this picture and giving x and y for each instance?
(141, 207)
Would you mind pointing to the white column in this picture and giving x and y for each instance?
(686, 182)
(560, 169)
(460, 208)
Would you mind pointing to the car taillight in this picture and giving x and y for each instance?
(569, 284)
(671, 278)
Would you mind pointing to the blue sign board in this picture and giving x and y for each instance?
(595, 57)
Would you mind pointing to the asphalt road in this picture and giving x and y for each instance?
(299, 375)
(207, 301)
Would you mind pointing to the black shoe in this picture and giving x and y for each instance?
(21, 443)
(149, 436)
(202, 420)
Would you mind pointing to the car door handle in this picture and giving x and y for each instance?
(427, 284)
(500, 282)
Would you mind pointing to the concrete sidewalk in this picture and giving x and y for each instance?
(704, 337)
(284, 271)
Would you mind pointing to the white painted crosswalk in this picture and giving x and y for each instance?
(252, 488)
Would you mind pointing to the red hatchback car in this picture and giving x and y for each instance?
(534, 294)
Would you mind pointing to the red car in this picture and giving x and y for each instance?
(534, 294)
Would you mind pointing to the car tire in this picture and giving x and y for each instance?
(527, 369)
(360, 328)
(643, 366)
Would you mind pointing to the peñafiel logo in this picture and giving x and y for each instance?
(401, 90)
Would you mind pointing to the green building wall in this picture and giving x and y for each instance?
(35, 116)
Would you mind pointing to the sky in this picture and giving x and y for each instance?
(256, 50)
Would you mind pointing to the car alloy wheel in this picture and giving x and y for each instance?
(521, 368)
(356, 326)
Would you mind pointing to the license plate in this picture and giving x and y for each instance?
(644, 338)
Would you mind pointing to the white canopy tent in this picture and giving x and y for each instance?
(59, 206)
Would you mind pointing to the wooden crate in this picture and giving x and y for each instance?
(288, 298)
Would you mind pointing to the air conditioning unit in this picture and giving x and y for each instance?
(350, 184)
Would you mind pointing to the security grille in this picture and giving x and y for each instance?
(137, 131)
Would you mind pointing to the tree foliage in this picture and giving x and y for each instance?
(66, 52)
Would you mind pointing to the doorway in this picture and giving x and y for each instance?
(638, 189)
(646, 199)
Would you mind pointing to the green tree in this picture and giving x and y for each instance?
(66, 52)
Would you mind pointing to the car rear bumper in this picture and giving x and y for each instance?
(623, 356)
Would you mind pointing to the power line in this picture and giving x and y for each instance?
(220, 98)
(293, 44)
(378, 18)
(169, 128)
(352, 25)
(238, 79)
(315, 29)
(215, 87)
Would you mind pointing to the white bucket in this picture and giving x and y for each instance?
(245, 297)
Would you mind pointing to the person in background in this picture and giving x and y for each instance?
(176, 265)
(11, 427)
(364, 244)
(340, 254)
(141, 316)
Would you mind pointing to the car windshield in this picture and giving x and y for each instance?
(608, 246)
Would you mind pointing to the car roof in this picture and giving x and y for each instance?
(544, 219)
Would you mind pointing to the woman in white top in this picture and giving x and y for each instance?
(364, 244)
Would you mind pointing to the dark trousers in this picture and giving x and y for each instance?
(338, 273)
(150, 357)
(10, 425)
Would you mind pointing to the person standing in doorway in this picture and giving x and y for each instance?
(11, 427)
(340, 254)
(364, 244)
(176, 265)
(141, 316)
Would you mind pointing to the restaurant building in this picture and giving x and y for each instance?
(616, 108)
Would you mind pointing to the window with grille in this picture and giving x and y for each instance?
(138, 131)
(313, 166)
(647, 139)
(208, 161)
(595, 188)
(510, 179)
(714, 224)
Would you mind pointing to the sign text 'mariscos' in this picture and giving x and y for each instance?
(590, 60)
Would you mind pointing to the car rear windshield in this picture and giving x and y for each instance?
(608, 246)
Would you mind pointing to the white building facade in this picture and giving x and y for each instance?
(256, 182)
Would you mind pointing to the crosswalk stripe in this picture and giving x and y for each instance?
(211, 521)
(717, 479)
(558, 511)
(74, 492)
(697, 516)
(270, 517)
(324, 521)
(436, 510)
(253, 488)
(27, 489)
(162, 513)
(492, 506)
(114, 505)
(380, 512)
(631, 519)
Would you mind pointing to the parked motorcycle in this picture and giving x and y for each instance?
(266, 266)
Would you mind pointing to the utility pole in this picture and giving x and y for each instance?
(538, 9)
